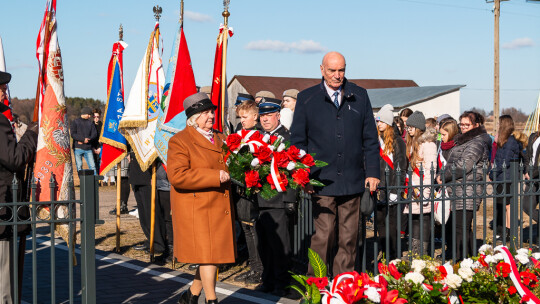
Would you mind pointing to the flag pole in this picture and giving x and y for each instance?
(118, 176)
(157, 14)
(225, 15)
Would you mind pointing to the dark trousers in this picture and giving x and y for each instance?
(383, 211)
(163, 213)
(97, 161)
(252, 242)
(425, 228)
(530, 201)
(124, 190)
(501, 203)
(274, 247)
(462, 232)
(330, 212)
(143, 196)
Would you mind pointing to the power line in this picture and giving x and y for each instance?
(475, 89)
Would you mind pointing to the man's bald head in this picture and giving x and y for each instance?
(333, 69)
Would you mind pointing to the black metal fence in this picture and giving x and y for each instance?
(520, 193)
(23, 223)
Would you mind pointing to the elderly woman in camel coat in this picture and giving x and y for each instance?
(202, 212)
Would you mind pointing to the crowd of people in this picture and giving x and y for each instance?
(200, 213)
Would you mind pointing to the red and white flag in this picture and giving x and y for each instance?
(53, 157)
(219, 78)
(8, 113)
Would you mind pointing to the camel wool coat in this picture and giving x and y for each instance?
(202, 212)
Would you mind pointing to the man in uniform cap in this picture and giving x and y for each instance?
(288, 105)
(263, 94)
(13, 158)
(273, 222)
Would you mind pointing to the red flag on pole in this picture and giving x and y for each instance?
(218, 78)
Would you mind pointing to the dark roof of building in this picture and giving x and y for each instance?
(278, 85)
(402, 97)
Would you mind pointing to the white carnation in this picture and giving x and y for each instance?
(395, 262)
(373, 295)
(291, 166)
(418, 265)
(466, 273)
(466, 263)
(302, 153)
(477, 265)
(376, 278)
(414, 277)
(498, 257)
(522, 258)
(486, 248)
(281, 147)
(255, 162)
(523, 251)
(490, 259)
(453, 280)
(536, 255)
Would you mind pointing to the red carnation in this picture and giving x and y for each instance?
(252, 179)
(503, 269)
(281, 159)
(256, 136)
(284, 180)
(263, 153)
(394, 271)
(321, 283)
(301, 177)
(512, 290)
(293, 153)
(233, 141)
(308, 160)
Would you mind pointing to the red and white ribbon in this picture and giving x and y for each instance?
(516, 277)
(276, 177)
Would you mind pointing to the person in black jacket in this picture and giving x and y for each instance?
(83, 133)
(392, 156)
(273, 223)
(334, 120)
(13, 158)
(508, 149)
(531, 173)
(96, 145)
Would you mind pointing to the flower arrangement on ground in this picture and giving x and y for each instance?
(266, 164)
(494, 276)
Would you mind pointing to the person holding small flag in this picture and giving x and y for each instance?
(392, 153)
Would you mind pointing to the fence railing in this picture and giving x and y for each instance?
(25, 218)
(483, 194)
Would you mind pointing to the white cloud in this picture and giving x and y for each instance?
(518, 43)
(302, 46)
(197, 17)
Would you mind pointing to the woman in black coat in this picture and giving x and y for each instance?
(508, 150)
(468, 155)
(392, 156)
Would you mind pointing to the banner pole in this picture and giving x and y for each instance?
(118, 194)
(225, 33)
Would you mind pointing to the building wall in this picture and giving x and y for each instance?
(445, 104)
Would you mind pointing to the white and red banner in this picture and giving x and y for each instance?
(141, 111)
(7, 101)
(53, 157)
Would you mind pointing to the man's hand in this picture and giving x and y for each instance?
(526, 176)
(373, 183)
(34, 127)
(439, 181)
(86, 140)
(308, 189)
(97, 151)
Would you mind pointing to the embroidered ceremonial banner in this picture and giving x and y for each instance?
(53, 151)
(114, 143)
(179, 84)
(7, 101)
(218, 78)
(139, 119)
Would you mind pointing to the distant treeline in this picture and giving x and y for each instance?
(517, 114)
(25, 107)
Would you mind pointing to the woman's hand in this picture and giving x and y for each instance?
(224, 176)
(439, 181)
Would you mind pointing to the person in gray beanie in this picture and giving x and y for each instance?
(385, 114)
(417, 120)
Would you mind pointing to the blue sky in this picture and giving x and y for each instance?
(433, 42)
